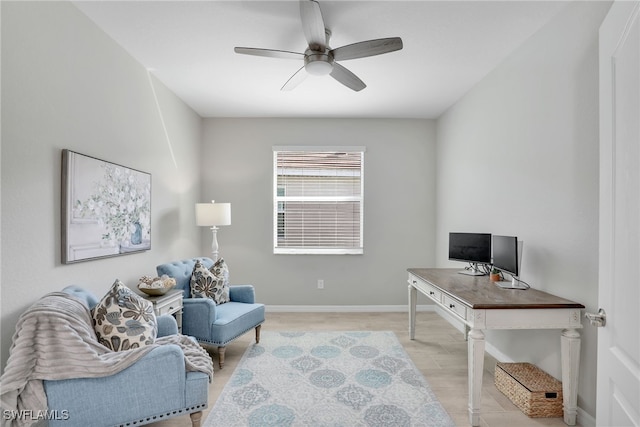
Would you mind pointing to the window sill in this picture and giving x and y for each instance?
(318, 251)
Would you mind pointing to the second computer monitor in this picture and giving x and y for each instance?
(505, 254)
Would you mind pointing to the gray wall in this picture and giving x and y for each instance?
(67, 85)
(399, 213)
(518, 155)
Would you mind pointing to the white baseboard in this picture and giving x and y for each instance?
(344, 308)
(585, 419)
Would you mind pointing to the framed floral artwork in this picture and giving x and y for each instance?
(106, 208)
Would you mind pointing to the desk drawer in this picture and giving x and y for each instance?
(170, 306)
(454, 306)
(433, 293)
(426, 289)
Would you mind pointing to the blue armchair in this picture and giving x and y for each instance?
(210, 323)
(154, 388)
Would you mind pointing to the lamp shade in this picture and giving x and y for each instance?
(213, 214)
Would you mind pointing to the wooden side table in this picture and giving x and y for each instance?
(169, 303)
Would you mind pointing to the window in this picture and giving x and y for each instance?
(318, 200)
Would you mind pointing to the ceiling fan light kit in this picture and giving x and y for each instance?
(317, 63)
(319, 58)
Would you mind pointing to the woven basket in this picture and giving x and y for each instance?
(535, 392)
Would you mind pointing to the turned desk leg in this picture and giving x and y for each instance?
(413, 296)
(476, 365)
(570, 351)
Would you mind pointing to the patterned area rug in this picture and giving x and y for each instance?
(327, 379)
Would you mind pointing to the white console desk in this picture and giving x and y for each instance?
(482, 305)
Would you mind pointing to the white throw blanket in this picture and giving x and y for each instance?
(55, 340)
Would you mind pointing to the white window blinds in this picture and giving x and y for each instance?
(318, 200)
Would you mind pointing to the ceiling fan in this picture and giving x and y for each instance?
(319, 58)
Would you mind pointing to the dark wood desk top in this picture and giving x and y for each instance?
(478, 292)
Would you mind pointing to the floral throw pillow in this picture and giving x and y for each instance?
(124, 320)
(205, 283)
(221, 270)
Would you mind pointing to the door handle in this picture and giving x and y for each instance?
(599, 319)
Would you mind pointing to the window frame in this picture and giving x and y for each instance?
(278, 200)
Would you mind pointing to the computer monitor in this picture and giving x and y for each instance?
(507, 256)
(474, 248)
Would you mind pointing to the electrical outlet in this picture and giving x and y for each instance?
(320, 284)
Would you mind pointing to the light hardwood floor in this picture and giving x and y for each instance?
(439, 351)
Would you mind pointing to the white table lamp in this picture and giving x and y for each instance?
(212, 215)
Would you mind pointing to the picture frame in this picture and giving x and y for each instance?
(106, 209)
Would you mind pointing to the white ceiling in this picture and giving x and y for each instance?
(448, 47)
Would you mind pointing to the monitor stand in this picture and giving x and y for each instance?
(473, 270)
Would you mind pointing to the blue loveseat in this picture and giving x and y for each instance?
(210, 323)
(155, 387)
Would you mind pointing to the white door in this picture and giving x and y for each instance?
(618, 394)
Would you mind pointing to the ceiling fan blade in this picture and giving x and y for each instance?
(270, 53)
(295, 80)
(313, 24)
(367, 48)
(347, 78)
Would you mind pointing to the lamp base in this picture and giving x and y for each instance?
(214, 244)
